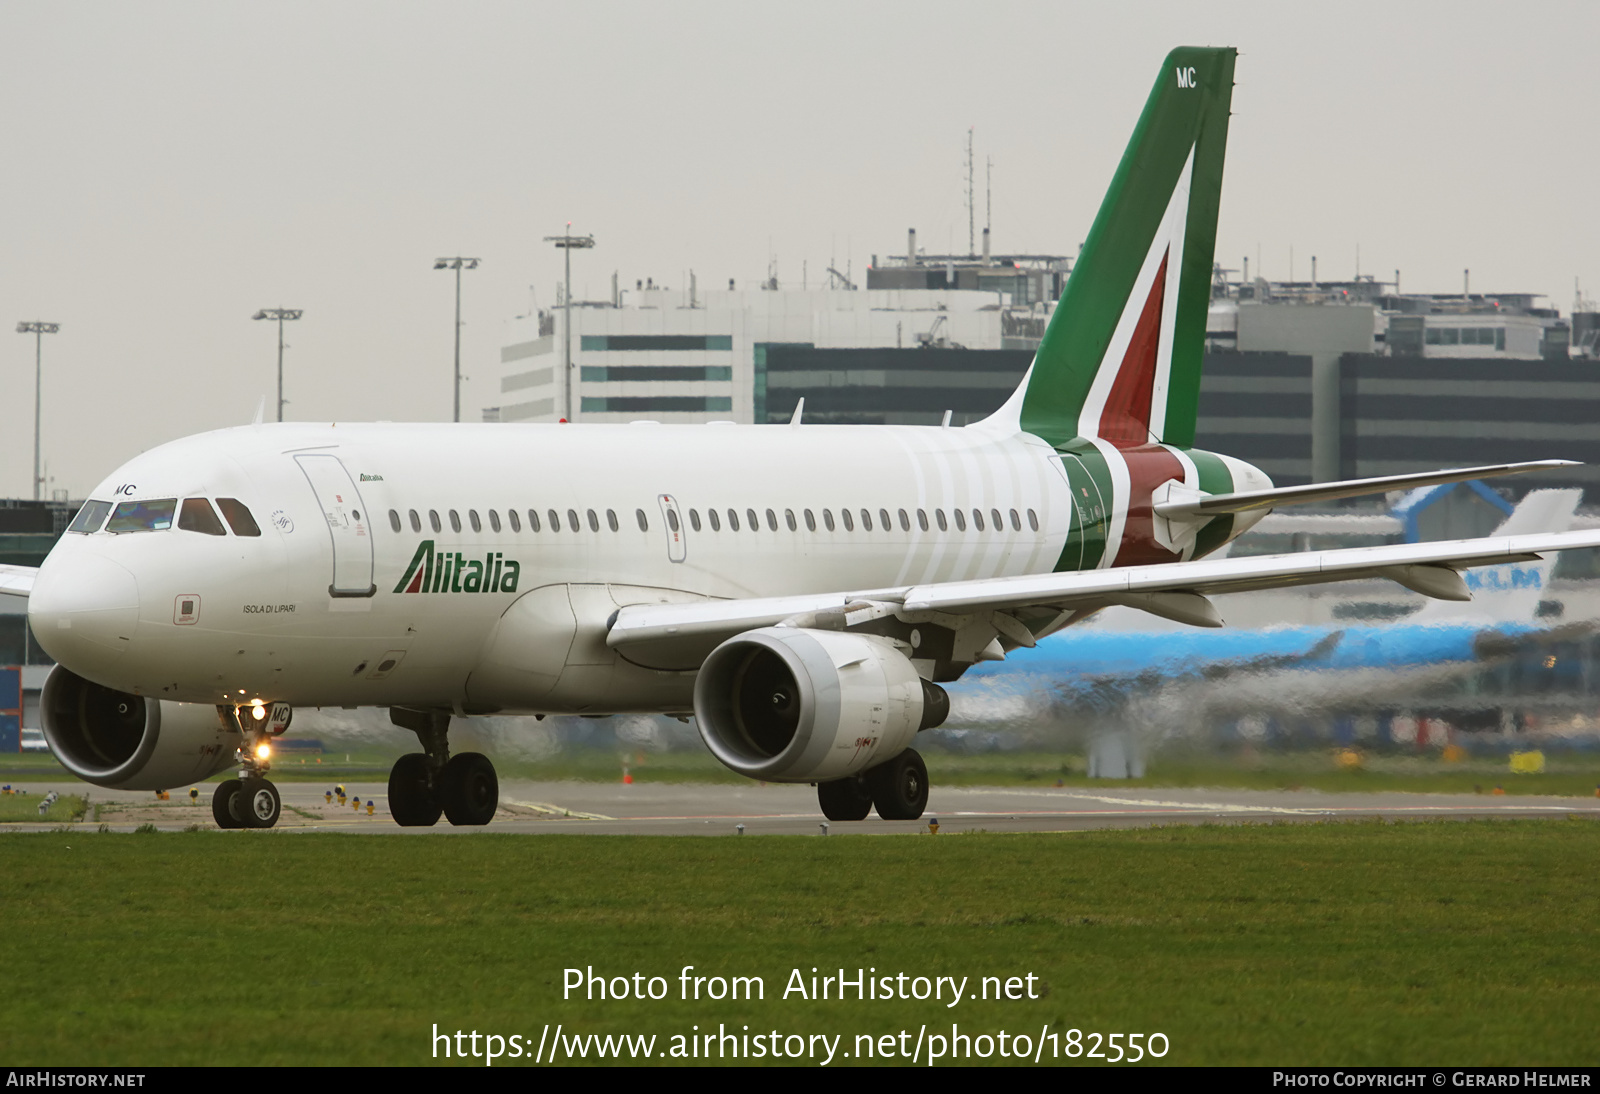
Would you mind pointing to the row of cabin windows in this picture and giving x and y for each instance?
(995, 520)
(195, 515)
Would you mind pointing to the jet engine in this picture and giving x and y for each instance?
(127, 742)
(787, 704)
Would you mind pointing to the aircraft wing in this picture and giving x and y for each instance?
(1174, 590)
(16, 580)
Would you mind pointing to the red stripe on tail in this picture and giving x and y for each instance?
(1126, 417)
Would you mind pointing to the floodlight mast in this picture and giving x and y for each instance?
(568, 243)
(38, 330)
(457, 264)
(280, 314)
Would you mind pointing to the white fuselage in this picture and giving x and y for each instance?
(181, 615)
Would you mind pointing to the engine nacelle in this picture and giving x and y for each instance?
(127, 742)
(787, 704)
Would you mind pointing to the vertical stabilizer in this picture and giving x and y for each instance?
(1511, 593)
(1120, 359)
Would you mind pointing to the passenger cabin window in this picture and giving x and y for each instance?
(143, 516)
(866, 520)
(755, 522)
(611, 520)
(533, 520)
(472, 517)
(733, 520)
(572, 520)
(594, 521)
(811, 521)
(416, 521)
(977, 519)
(772, 521)
(788, 518)
(672, 520)
(555, 520)
(394, 520)
(516, 521)
(999, 525)
(961, 520)
(433, 520)
(716, 521)
(1033, 520)
(905, 521)
(849, 521)
(938, 516)
(883, 520)
(922, 519)
(644, 523)
(455, 521)
(694, 518)
(1016, 521)
(90, 517)
(196, 515)
(827, 519)
(238, 517)
(494, 520)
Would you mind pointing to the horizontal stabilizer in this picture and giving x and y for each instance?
(1252, 500)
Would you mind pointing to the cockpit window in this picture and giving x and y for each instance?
(90, 517)
(238, 517)
(196, 515)
(143, 516)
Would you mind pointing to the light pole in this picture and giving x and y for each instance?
(280, 314)
(568, 243)
(457, 264)
(38, 330)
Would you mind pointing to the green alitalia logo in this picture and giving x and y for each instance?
(434, 571)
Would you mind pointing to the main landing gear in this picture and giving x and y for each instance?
(250, 801)
(897, 788)
(423, 785)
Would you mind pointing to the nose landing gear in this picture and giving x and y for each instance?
(422, 786)
(251, 801)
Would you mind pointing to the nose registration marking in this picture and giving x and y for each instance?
(186, 609)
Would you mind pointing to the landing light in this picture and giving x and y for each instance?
(263, 751)
(257, 711)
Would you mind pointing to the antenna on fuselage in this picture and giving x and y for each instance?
(799, 409)
(261, 411)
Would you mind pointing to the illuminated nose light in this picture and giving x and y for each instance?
(263, 751)
(257, 711)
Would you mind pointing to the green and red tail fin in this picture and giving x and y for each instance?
(1120, 359)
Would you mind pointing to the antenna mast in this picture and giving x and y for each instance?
(972, 232)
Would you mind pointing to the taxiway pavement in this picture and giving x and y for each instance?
(551, 808)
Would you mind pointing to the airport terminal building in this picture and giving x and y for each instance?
(1310, 381)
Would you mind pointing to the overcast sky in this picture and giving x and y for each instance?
(173, 167)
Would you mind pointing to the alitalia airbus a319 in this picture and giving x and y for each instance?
(804, 591)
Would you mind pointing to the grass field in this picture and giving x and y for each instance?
(25, 807)
(1451, 943)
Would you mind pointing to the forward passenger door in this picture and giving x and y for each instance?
(348, 521)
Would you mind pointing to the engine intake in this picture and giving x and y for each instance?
(127, 742)
(787, 704)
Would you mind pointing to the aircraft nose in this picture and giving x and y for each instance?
(83, 609)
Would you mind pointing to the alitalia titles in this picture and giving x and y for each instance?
(434, 571)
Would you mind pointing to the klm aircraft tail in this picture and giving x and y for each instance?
(1511, 593)
(1120, 359)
